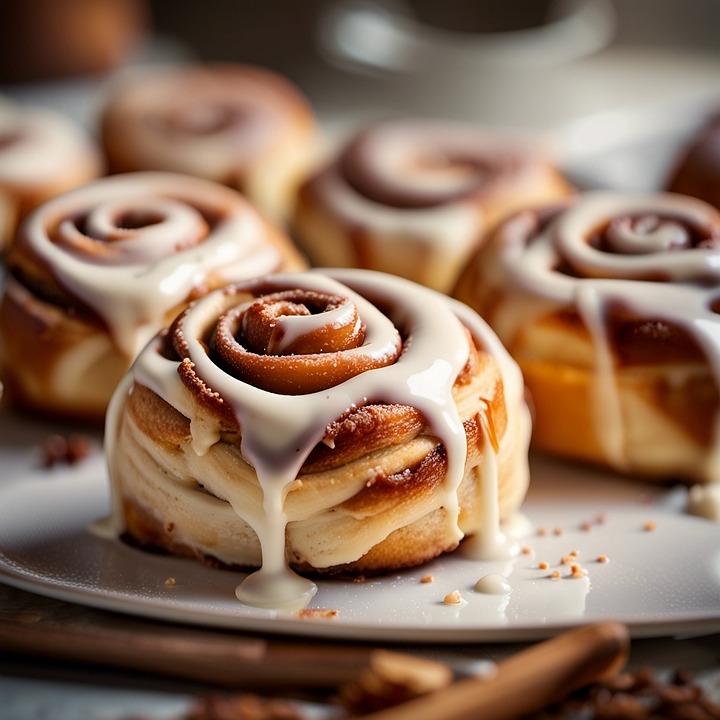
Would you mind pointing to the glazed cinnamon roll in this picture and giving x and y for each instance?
(96, 272)
(342, 422)
(239, 125)
(42, 154)
(697, 168)
(415, 198)
(610, 306)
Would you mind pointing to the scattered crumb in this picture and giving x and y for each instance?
(649, 526)
(542, 532)
(601, 518)
(586, 526)
(311, 613)
(543, 565)
(576, 571)
(243, 707)
(170, 582)
(571, 557)
(425, 579)
(70, 450)
(558, 531)
(525, 550)
(603, 558)
(453, 598)
(555, 575)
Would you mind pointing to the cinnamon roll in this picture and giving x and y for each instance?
(239, 125)
(42, 154)
(610, 306)
(415, 197)
(96, 272)
(346, 422)
(697, 168)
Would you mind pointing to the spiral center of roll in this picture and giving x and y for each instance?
(132, 230)
(647, 233)
(203, 119)
(295, 342)
(286, 324)
(136, 219)
(421, 165)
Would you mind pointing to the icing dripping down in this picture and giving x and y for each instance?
(664, 268)
(158, 265)
(489, 542)
(280, 431)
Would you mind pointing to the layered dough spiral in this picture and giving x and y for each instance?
(415, 197)
(96, 272)
(42, 154)
(239, 125)
(388, 424)
(609, 305)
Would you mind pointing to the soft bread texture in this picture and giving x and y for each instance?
(611, 343)
(96, 272)
(415, 198)
(370, 496)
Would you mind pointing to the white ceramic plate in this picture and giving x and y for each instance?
(659, 582)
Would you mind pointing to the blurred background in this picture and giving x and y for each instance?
(516, 62)
(595, 76)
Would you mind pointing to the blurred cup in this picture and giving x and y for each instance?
(461, 50)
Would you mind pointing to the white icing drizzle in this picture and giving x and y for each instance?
(448, 173)
(605, 396)
(446, 232)
(156, 266)
(489, 542)
(279, 431)
(608, 278)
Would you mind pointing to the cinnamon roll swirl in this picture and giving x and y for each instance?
(610, 306)
(415, 197)
(96, 272)
(42, 154)
(239, 125)
(343, 422)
